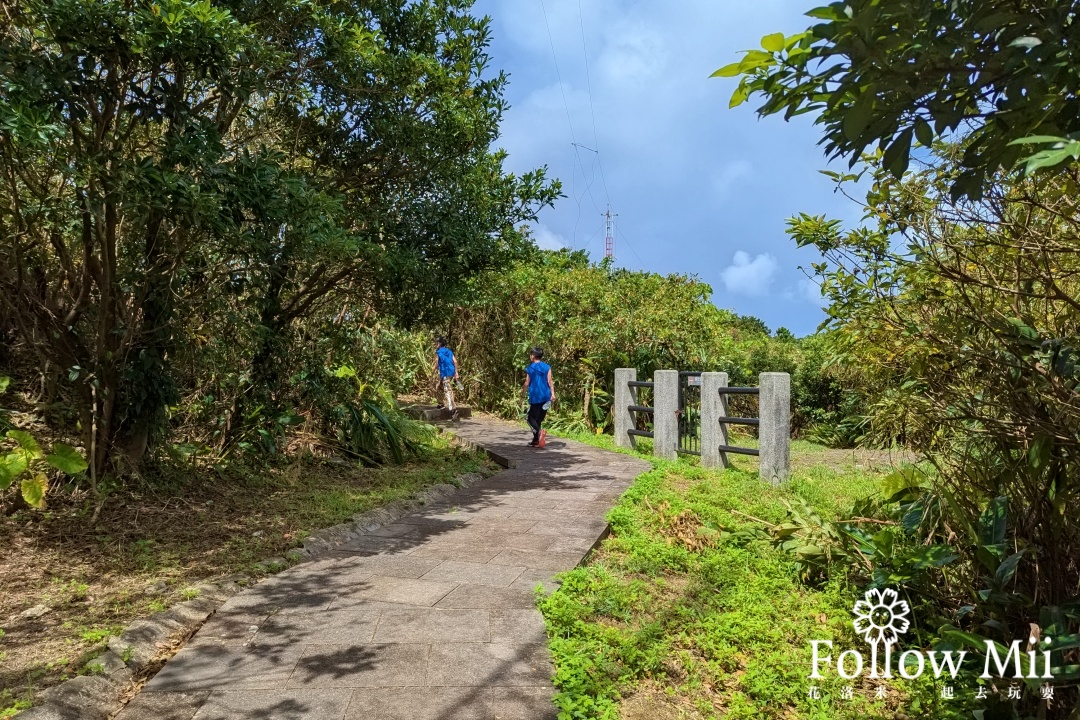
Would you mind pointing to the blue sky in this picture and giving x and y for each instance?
(698, 188)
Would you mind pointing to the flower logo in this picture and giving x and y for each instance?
(881, 616)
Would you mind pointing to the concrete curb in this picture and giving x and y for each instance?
(500, 460)
(328, 539)
(129, 656)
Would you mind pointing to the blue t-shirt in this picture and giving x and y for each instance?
(446, 362)
(539, 392)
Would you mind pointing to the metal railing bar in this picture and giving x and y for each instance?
(640, 408)
(640, 383)
(739, 421)
(738, 450)
(739, 391)
(640, 433)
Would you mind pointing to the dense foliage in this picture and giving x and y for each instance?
(892, 72)
(197, 199)
(954, 308)
(964, 335)
(593, 318)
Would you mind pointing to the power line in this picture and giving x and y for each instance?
(589, 184)
(592, 107)
(591, 237)
(569, 122)
(558, 75)
(618, 228)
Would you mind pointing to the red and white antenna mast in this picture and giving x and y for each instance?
(609, 234)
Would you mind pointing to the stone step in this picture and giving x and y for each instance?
(430, 413)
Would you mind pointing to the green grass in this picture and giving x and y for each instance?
(680, 616)
(9, 706)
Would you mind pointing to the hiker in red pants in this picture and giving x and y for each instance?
(541, 390)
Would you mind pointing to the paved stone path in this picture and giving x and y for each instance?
(431, 618)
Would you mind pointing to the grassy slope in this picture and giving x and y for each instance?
(186, 525)
(673, 620)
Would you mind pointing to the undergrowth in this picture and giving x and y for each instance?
(685, 612)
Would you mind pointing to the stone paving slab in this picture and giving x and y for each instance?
(431, 617)
(165, 705)
(278, 704)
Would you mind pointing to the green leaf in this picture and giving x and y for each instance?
(989, 556)
(1039, 140)
(992, 522)
(1050, 158)
(757, 58)
(1040, 451)
(1026, 42)
(1065, 642)
(961, 638)
(773, 42)
(1007, 569)
(823, 13)
(4, 383)
(898, 154)
(345, 371)
(67, 459)
(932, 556)
(858, 116)
(26, 442)
(740, 95)
(34, 489)
(731, 70)
(924, 133)
(969, 183)
(12, 466)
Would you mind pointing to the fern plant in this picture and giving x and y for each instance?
(371, 426)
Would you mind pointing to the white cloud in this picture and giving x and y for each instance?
(729, 173)
(548, 240)
(746, 276)
(810, 290)
(687, 176)
(634, 58)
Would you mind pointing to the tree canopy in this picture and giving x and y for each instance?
(1002, 75)
(179, 174)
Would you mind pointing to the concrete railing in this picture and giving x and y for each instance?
(773, 421)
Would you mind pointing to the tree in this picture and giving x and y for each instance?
(236, 167)
(958, 319)
(1003, 74)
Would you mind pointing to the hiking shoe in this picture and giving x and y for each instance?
(543, 439)
(440, 406)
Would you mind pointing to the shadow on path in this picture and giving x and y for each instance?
(430, 618)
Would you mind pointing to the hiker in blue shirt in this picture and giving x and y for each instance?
(447, 367)
(541, 390)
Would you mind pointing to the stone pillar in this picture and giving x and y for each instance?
(624, 397)
(665, 414)
(774, 433)
(713, 407)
